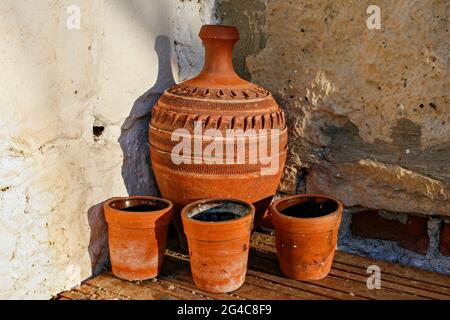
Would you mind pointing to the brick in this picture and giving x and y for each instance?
(444, 239)
(412, 235)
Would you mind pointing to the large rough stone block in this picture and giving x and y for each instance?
(367, 109)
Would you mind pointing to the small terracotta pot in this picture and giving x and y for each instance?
(137, 234)
(306, 231)
(218, 235)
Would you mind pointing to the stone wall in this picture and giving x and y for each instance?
(368, 109)
(74, 111)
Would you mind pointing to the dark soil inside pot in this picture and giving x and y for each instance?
(141, 208)
(215, 216)
(139, 205)
(311, 209)
(220, 211)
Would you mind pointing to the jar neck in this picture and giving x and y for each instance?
(218, 67)
(219, 57)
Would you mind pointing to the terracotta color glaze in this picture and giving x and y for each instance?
(137, 239)
(305, 246)
(218, 250)
(221, 100)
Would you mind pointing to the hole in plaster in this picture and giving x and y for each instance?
(433, 105)
(97, 131)
(76, 91)
(421, 105)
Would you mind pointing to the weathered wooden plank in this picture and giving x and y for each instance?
(426, 289)
(145, 290)
(177, 272)
(252, 289)
(266, 285)
(391, 286)
(347, 280)
(305, 288)
(252, 292)
(252, 279)
(360, 289)
(353, 287)
(72, 295)
(181, 271)
(255, 278)
(348, 286)
(266, 242)
(395, 269)
(189, 286)
(100, 293)
(413, 287)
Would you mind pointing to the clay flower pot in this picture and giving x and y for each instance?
(216, 100)
(137, 234)
(306, 231)
(218, 235)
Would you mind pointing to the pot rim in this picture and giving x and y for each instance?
(333, 215)
(219, 31)
(250, 213)
(138, 213)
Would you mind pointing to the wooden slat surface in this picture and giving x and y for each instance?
(411, 281)
(347, 280)
(265, 242)
(340, 284)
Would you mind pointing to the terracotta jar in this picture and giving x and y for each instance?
(216, 100)
(306, 232)
(218, 234)
(137, 234)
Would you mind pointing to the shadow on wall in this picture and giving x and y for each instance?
(98, 241)
(136, 167)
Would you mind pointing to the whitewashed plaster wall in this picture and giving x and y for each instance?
(57, 84)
